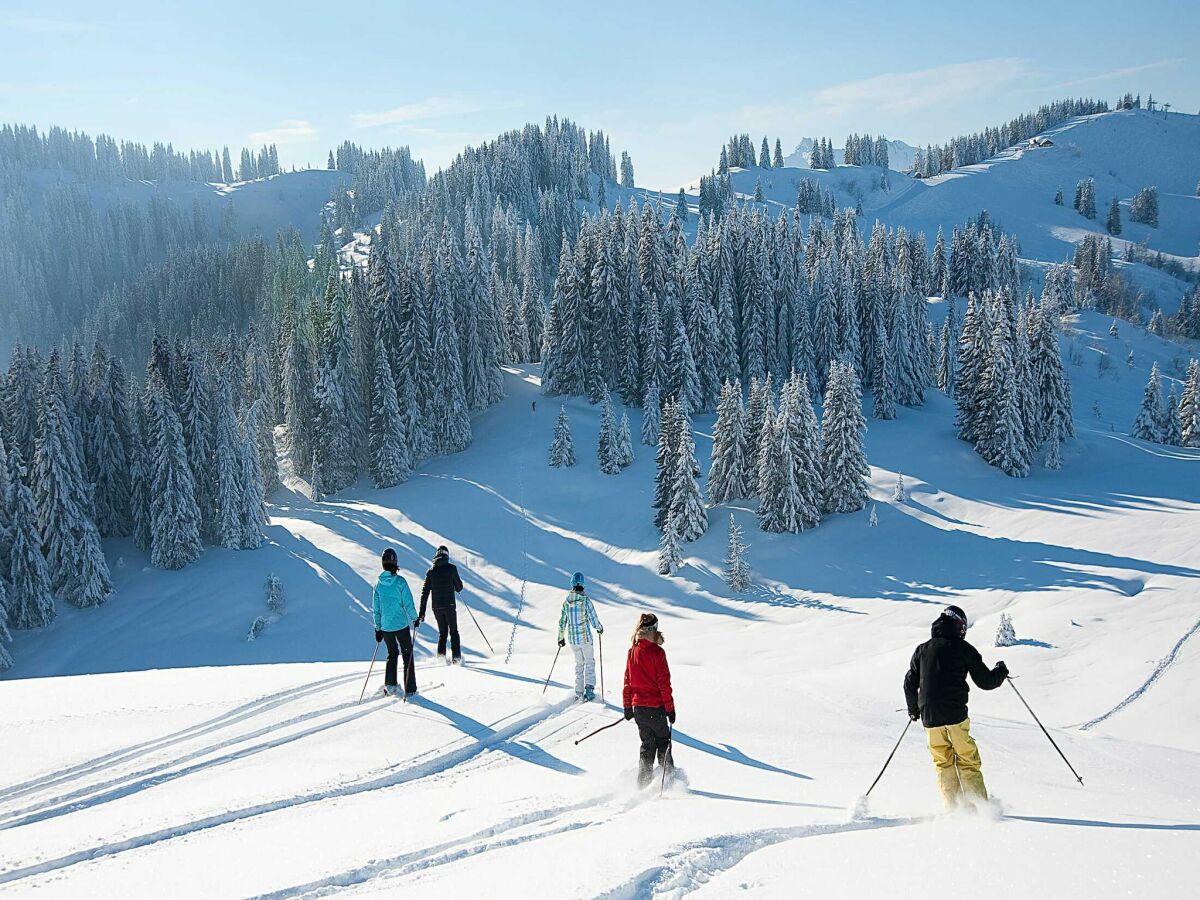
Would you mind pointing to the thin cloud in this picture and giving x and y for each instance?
(289, 131)
(908, 92)
(1105, 76)
(421, 111)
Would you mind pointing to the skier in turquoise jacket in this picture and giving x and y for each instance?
(395, 613)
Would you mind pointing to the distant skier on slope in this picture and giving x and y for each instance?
(575, 625)
(648, 699)
(935, 689)
(394, 614)
(442, 582)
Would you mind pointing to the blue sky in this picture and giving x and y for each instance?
(668, 81)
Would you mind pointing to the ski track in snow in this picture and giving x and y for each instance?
(512, 638)
(96, 794)
(1161, 669)
(695, 862)
(231, 717)
(423, 765)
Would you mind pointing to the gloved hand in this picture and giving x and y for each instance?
(914, 716)
(378, 635)
(628, 713)
(1002, 668)
(420, 621)
(562, 642)
(599, 630)
(671, 717)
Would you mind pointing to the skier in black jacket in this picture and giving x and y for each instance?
(935, 689)
(442, 582)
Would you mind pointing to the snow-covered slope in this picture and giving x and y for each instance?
(271, 779)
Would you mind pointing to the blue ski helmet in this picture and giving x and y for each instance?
(577, 580)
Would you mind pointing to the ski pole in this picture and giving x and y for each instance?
(552, 665)
(481, 634)
(889, 759)
(601, 636)
(666, 756)
(411, 666)
(1045, 732)
(598, 730)
(369, 670)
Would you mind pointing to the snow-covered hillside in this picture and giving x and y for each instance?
(1017, 189)
(256, 779)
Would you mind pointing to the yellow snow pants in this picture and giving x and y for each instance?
(958, 766)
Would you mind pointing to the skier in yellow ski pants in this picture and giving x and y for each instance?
(956, 756)
(935, 689)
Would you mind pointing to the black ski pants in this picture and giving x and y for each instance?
(447, 622)
(398, 643)
(655, 732)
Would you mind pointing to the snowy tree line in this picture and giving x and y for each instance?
(184, 458)
(1174, 421)
(864, 150)
(973, 148)
(635, 308)
(738, 153)
(24, 149)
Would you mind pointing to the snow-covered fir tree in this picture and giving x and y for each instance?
(174, 517)
(669, 556)
(1189, 406)
(230, 474)
(736, 572)
(1148, 424)
(624, 442)
(651, 416)
(874, 520)
(562, 448)
(608, 447)
(883, 377)
(1144, 207)
(728, 472)
(30, 601)
(843, 456)
(78, 570)
(899, 493)
(1006, 635)
(1172, 432)
(253, 512)
(391, 461)
(687, 502)
(1112, 224)
(275, 597)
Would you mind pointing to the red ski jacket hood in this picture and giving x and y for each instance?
(647, 677)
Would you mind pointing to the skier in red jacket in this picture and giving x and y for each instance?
(648, 697)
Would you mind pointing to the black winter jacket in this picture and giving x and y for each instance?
(443, 583)
(936, 684)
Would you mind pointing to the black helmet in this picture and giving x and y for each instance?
(958, 616)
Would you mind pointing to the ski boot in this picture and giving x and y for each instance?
(456, 661)
(589, 693)
(579, 696)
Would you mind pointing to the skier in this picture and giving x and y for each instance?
(576, 622)
(936, 691)
(442, 582)
(648, 698)
(394, 614)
